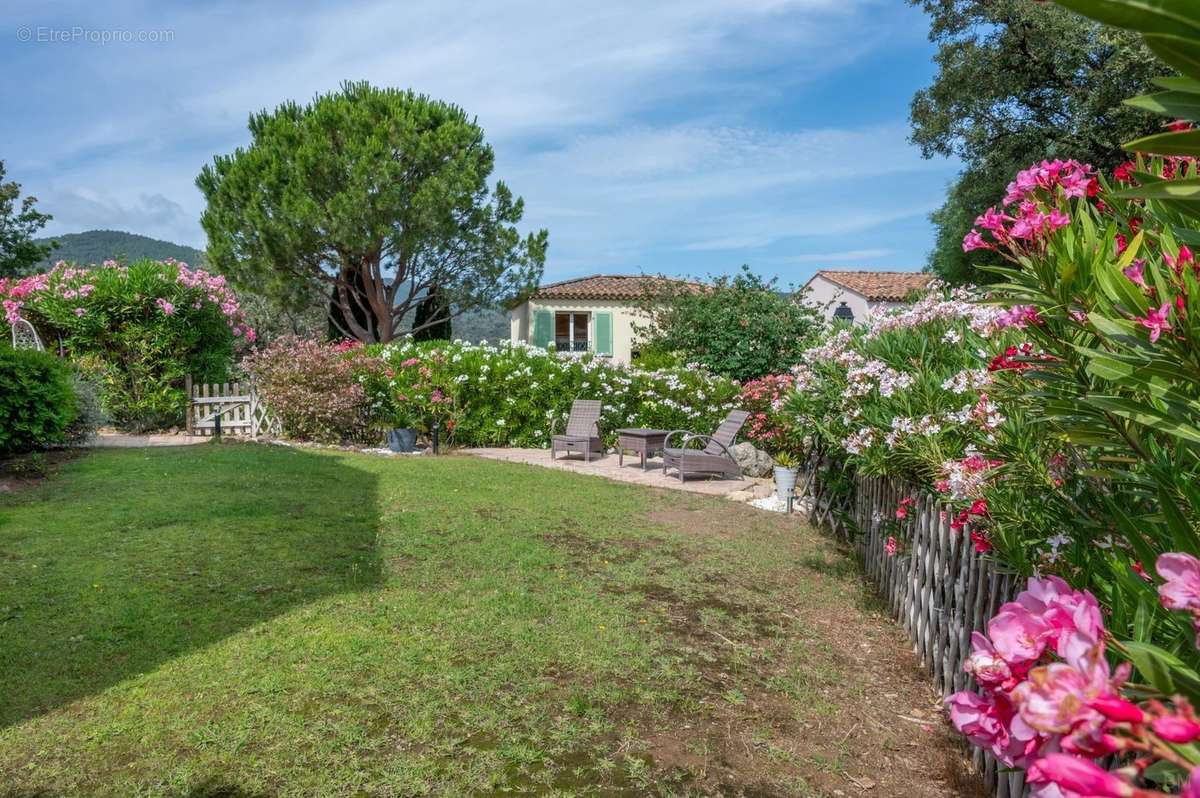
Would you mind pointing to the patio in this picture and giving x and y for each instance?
(607, 466)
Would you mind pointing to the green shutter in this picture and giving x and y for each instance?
(543, 328)
(604, 345)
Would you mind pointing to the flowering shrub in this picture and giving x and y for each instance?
(37, 401)
(138, 330)
(511, 394)
(315, 389)
(770, 425)
(907, 394)
(1052, 703)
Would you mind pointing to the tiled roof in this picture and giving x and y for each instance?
(880, 286)
(608, 286)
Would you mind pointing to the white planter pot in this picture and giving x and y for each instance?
(785, 482)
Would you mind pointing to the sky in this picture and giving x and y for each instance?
(684, 137)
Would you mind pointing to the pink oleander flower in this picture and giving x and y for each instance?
(1057, 698)
(80, 312)
(1176, 729)
(1185, 257)
(1080, 777)
(1134, 272)
(983, 543)
(990, 721)
(166, 307)
(891, 547)
(1192, 788)
(1181, 588)
(987, 666)
(902, 510)
(1018, 635)
(1156, 321)
(973, 241)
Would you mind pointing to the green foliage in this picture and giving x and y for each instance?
(18, 224)
(137, 331)
(383, 195)
(740, 327)
(1019, 81)
(314, 389)
(37, 401)
(97, 246)
(514, 395)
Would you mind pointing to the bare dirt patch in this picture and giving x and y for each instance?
(800, 684)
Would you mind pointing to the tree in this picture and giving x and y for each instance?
(1018, 82)
(432, 319)
(18, 223)
(740, 327)
(382, 195)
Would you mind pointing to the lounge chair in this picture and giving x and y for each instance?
(714, 459)
(582, 433)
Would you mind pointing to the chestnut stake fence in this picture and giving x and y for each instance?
(936, 586)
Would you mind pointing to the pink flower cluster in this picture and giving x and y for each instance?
(1051, 703)
(1031, 210)
(217, 291)
(16, 290)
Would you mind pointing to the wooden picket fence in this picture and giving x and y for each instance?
(228, 409)
(936, 586)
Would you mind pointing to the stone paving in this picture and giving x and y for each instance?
(114, 440)
(606, 466)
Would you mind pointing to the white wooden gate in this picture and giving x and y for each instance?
(228, 409)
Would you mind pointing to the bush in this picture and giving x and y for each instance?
(37, 401)
(741, 327)
(771, 426)
(511, 394)
(314, 388)
(136, 330)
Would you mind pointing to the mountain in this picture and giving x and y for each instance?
(96, 246)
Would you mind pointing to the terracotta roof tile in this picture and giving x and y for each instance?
(880, 286)
(606, 286)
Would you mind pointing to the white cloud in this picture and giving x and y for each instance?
(636, 132)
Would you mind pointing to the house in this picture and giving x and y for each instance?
(587, 314)
(857, 295)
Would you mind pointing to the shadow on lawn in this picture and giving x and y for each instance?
(131, 558)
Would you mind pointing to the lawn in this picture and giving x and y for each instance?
(246, 620)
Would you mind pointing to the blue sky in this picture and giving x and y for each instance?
(681, 136)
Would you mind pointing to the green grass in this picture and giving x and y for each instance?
(247, 620)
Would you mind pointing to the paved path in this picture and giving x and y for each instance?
(606, 466)
(113, 440)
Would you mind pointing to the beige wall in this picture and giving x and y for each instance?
(624, 315)
(825, 293)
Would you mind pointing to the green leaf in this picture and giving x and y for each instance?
(1186, 189)
(1185, 142)
(1147, 16)
(1175, 104)
(1162, 670)
(1181, 53)
(1177, 84)
(1141, 413)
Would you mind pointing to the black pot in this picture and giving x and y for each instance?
(402, 440)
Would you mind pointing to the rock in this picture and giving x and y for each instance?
(753, 462)
(741, 496)
(762, 491)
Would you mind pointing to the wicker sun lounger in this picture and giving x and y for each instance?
(582, 433)
(714, 459)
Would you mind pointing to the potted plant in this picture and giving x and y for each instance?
(787, 465)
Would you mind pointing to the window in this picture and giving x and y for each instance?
(571, 332)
